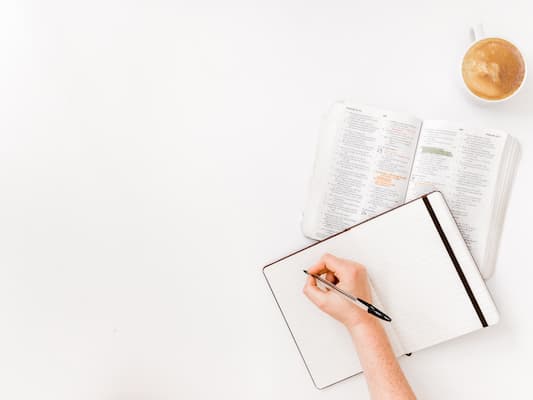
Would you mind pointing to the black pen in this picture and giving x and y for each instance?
(360, 302)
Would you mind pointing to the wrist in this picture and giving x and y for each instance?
(368, 326)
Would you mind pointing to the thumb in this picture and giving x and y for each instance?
(314, 293)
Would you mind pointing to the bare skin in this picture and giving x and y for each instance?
(384, 376)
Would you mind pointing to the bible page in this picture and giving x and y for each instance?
(362, 167)
(463, 164)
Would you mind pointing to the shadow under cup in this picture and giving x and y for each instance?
(493, 69)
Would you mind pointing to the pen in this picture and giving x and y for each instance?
(360, 302)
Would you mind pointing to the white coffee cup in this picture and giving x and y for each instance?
(479, 34)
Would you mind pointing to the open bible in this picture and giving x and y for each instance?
(370, 160)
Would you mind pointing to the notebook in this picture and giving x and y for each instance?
(421, 273)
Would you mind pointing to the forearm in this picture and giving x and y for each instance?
(384, 376)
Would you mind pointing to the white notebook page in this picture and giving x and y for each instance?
(412, 273)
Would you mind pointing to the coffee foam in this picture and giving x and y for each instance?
(493, 69)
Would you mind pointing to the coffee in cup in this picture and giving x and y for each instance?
(493, 69)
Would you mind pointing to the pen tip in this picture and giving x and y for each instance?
(305, 271)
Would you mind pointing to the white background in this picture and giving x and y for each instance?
(154, 155)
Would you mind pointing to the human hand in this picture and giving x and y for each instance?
(383, 373)
(348, 276)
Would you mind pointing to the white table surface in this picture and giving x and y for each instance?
(155, 154)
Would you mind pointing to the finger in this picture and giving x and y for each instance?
(311, 281)
(330, 277)
(318, 269)
(321, 267)
(328, 262)
(314, 293)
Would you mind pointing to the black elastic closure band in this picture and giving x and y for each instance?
(455, 263)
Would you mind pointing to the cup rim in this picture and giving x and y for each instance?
(493, 100)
